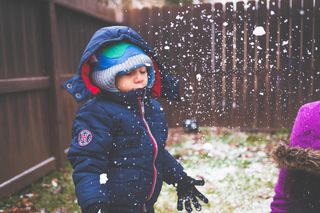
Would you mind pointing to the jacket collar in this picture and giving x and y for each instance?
(127, 98)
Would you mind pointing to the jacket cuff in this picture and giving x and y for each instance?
(85, 205)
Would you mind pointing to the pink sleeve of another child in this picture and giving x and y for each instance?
(280, 203)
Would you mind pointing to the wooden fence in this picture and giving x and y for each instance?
(230, 75)
(41, 45)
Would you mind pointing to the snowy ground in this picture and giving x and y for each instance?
(238, 171)
(236, 166)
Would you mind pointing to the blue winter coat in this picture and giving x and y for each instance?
(122, 135)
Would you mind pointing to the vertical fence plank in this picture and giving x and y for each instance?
(144, 26)
(187, 61)
(25, 51)
(73, 41)
(56, 135)
(5, 39)
(182, 51)
(263, 111)
(134, 19)
(273, 61)
(11, 39)
(154, 27)
(202, 72)
(294, 61)
(35, 49)
(168, 58)
(126, 17)
(7, 142)
(173, 55)
(3, 58)
(250, 110)
(32, 119)
(217, 73)
(228, 60)
(306, 60)
(316, 25)
(238, 99)
(284, 57)
(18, 41)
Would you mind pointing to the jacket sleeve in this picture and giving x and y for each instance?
(88, 154)
(280, 203)
(172, 169)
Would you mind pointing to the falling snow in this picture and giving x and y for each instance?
(236, 166)
(103, 178)
(199, 77)
(259, 31)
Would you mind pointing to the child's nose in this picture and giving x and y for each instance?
(138, 78)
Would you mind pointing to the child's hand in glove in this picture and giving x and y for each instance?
(97, 208)
(187, 193)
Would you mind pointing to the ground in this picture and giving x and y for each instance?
(237, 168)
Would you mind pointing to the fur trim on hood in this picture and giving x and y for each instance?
(297, 158)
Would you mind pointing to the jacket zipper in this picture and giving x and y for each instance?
(155, 148)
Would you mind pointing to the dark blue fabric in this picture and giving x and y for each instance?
(121, 148)
(109, 35)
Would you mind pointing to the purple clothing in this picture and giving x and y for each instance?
(306, 131)
(305, 134)
(280, 199)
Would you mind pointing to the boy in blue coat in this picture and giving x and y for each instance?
(121, 130)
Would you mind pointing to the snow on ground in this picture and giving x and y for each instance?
(236, 166)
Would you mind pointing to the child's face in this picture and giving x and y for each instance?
(135, 79)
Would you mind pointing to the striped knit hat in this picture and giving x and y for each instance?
(119, 58)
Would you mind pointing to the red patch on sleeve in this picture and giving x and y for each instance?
(84, 137)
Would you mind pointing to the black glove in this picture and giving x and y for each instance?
(187, 193)
(97, 207)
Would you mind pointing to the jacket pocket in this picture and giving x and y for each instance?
(124, 187)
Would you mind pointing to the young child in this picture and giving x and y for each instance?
(298, 186)
(121, 130)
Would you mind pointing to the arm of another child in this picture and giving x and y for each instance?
(88, 154)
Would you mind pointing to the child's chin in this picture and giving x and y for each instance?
(133, 89)
(140, 87)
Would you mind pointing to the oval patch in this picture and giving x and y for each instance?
(84, 137)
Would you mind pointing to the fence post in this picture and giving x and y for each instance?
(54, 68)
(273, 62)
(250, 97)
(316, 85)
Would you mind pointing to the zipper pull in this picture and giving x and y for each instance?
(142, 107)
(144, 208)
(141, 103)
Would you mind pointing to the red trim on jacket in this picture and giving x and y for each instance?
(156, 89)
(85, 74)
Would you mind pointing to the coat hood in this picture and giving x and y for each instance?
(81, 86)
(297, 158)
(303, 151)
